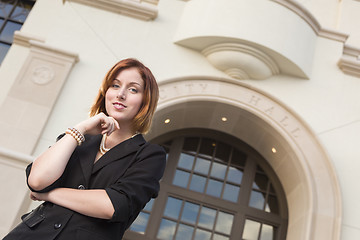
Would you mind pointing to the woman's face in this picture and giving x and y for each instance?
(124, 97)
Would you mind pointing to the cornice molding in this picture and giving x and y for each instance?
(349, 63)
(73, 57)
(10, 154)
(333, 35)
(140, 9)
(302, 12)
(23, 39)
(34, 42)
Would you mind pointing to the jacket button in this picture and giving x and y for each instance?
(81, 187)
(57, 225)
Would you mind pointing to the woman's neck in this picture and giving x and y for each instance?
(117, 137)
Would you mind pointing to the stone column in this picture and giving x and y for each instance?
(23, 115)
(31, 98)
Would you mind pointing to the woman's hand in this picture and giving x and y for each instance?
(38, 196)
(98, 124)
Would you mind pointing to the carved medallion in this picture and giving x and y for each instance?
(42, 75)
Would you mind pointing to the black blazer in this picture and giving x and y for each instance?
(130, 174)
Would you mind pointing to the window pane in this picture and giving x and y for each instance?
(218, 170)
(5, 9)
(257, 200)
(223, 152)
(184, 232)
(219, 237)
(4, 48)
(191, 144)
(190, 212)
(207, 218)
(238, 158)
(272, 190)
(231, 193)
(173, 207)
(7, 34)
(186, 161)
(267, 232)
(224, 222)
(167, 230)
(261, 182)
(207, 147)
(272, 205)
(197, 183)
(214, 188)
(251, 230)
(202, 235)
(21, 12)
(202, 166)
(234, 175)
(181, 178)
(1, 22)
(140, 223)
(149, 205)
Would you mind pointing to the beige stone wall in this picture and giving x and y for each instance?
(314, 49)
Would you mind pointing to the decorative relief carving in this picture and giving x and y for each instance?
(241, 61)
(42, 74)
(243, 95)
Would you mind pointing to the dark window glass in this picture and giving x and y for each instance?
(13, 14)
(207, 147)
(191, 144)
(213, 186)
(21, 12)
(7, 33)
(4, 48)
(6, 7)
(189, 220)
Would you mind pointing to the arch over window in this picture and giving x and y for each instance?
(275, 131)
(215, 187)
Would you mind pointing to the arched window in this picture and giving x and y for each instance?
(12, 16)
(215, 187)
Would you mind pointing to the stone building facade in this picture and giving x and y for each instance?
(259, 109)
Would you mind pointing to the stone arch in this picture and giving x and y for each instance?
(301, 163)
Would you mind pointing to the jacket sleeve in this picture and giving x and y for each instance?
(54, 185)
(138, 185)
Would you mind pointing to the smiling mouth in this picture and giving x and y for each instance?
(119, 105)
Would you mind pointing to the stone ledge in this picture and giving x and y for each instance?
(349, 63)
(35, 42)
(11, 154)
(136, 9)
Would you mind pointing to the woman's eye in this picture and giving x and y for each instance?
(115, 86)
(133, 90)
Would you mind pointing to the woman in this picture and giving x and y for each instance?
(99, 175)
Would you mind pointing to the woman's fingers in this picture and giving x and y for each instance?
(100, 123)
(109, 125)
(117, 126)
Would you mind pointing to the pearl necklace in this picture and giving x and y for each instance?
(103, 149)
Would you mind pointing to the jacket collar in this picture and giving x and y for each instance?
(88, 150)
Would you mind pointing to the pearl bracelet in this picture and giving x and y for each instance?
(78, 136)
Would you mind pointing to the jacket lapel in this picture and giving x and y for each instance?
(121, 150)
(87, 153)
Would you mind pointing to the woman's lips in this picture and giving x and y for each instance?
(119, 106)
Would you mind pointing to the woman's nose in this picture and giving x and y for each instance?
(121, 94)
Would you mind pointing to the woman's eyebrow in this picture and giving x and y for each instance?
(131, 83)
(135, 83)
